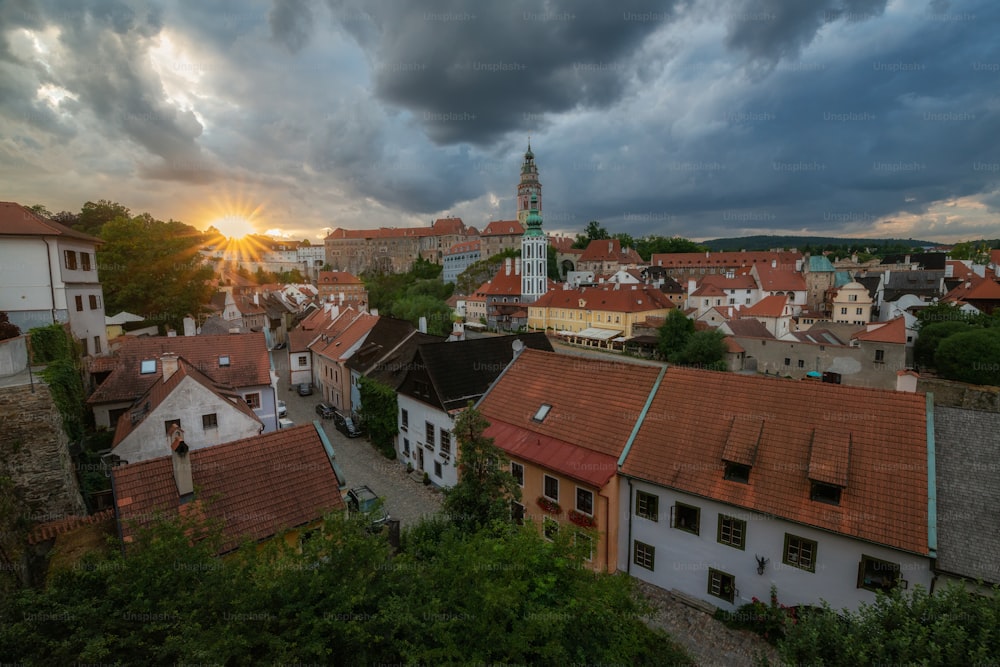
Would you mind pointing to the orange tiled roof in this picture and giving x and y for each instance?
(623, 300)
(464, 246)
(995, 257)
(779, 279)
(159, 391)
(256, 486)
(47, 531)
(609, 250)
(681, 445)
(339, 278)
(503, 283)
(769, 306)
(893, 331)
(502, 228)
(563, 244)
(249, 363)
(708, 289)
(589, 416)
(985, 290)
(740, 280)
(724, 259)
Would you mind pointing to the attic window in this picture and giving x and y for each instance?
(737, 472)
(148, 366)
(825, 493)
(223, 361)
(542, 413)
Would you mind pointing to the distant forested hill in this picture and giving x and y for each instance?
(769, 242)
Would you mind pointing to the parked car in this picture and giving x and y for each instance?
(346, 424)
(282, 409)
(362, 500)
(305, 389)
(325, 410)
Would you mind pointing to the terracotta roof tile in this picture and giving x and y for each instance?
(589, 416)
(47, 531)
(17, 220)
(623, 300)
(502, 227)
(682, 441)
(610, 250)
(779, 279)
(249, 363)
(769, 306)
(256, 486)
(724, 259)
(893, 331)
(830, 456)
(338, 278)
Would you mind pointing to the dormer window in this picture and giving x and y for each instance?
(824, 493)
(223, 361)
(542, 412)
(148, 366)
(737, 472)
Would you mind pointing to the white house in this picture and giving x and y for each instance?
(237, 361)
(208, 414)
(735, 484)
(48, 274)
(440, 381)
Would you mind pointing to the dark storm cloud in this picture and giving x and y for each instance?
(470, 72)
(769, 30)
(291, 23)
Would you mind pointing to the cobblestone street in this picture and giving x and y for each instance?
(405, 499)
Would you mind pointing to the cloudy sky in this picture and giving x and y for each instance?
(703, 119)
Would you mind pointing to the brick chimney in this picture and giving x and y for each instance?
(169, 364)
(181, 458)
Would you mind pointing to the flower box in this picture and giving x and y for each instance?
(550, 506)
(581, 519)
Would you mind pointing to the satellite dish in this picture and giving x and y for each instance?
(518, 345)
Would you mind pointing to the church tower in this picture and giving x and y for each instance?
(534, 255)
(528, 186)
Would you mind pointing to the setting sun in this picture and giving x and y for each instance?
(233, 227)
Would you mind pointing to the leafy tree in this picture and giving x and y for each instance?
(625, 240)
(941, 312)
(970, 356)
(706, 349)
(305, 242)
(485, 485)
(7, 328)
(153, 268)
(593, 232)
(677, 328)
(931, 335)
(649, 245)
(551, 264)
(93, 216)
(39, 209)
(954, 626)
(479, 272)
(379, 407)
(437, 312)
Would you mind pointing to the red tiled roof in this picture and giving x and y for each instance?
(724, 259)
(681, 445)
(503, 283)
(256, 486)
(709, 290)
(740, 280)
(589, 416)
(464, 246)
(769, 306)
(732, 346)
(249, 363)
(159, 391)
(579, 463)
(339, 278)
(995, 257)
(563, 244)
(893, 331)
(609, 250)
(985, 290)
(779, 279)
(502, 228)
(47, 531)
(17, 220)
(623, 300)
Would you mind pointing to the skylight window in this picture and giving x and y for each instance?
(148, 366)
(542, 413)
(223, 361)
